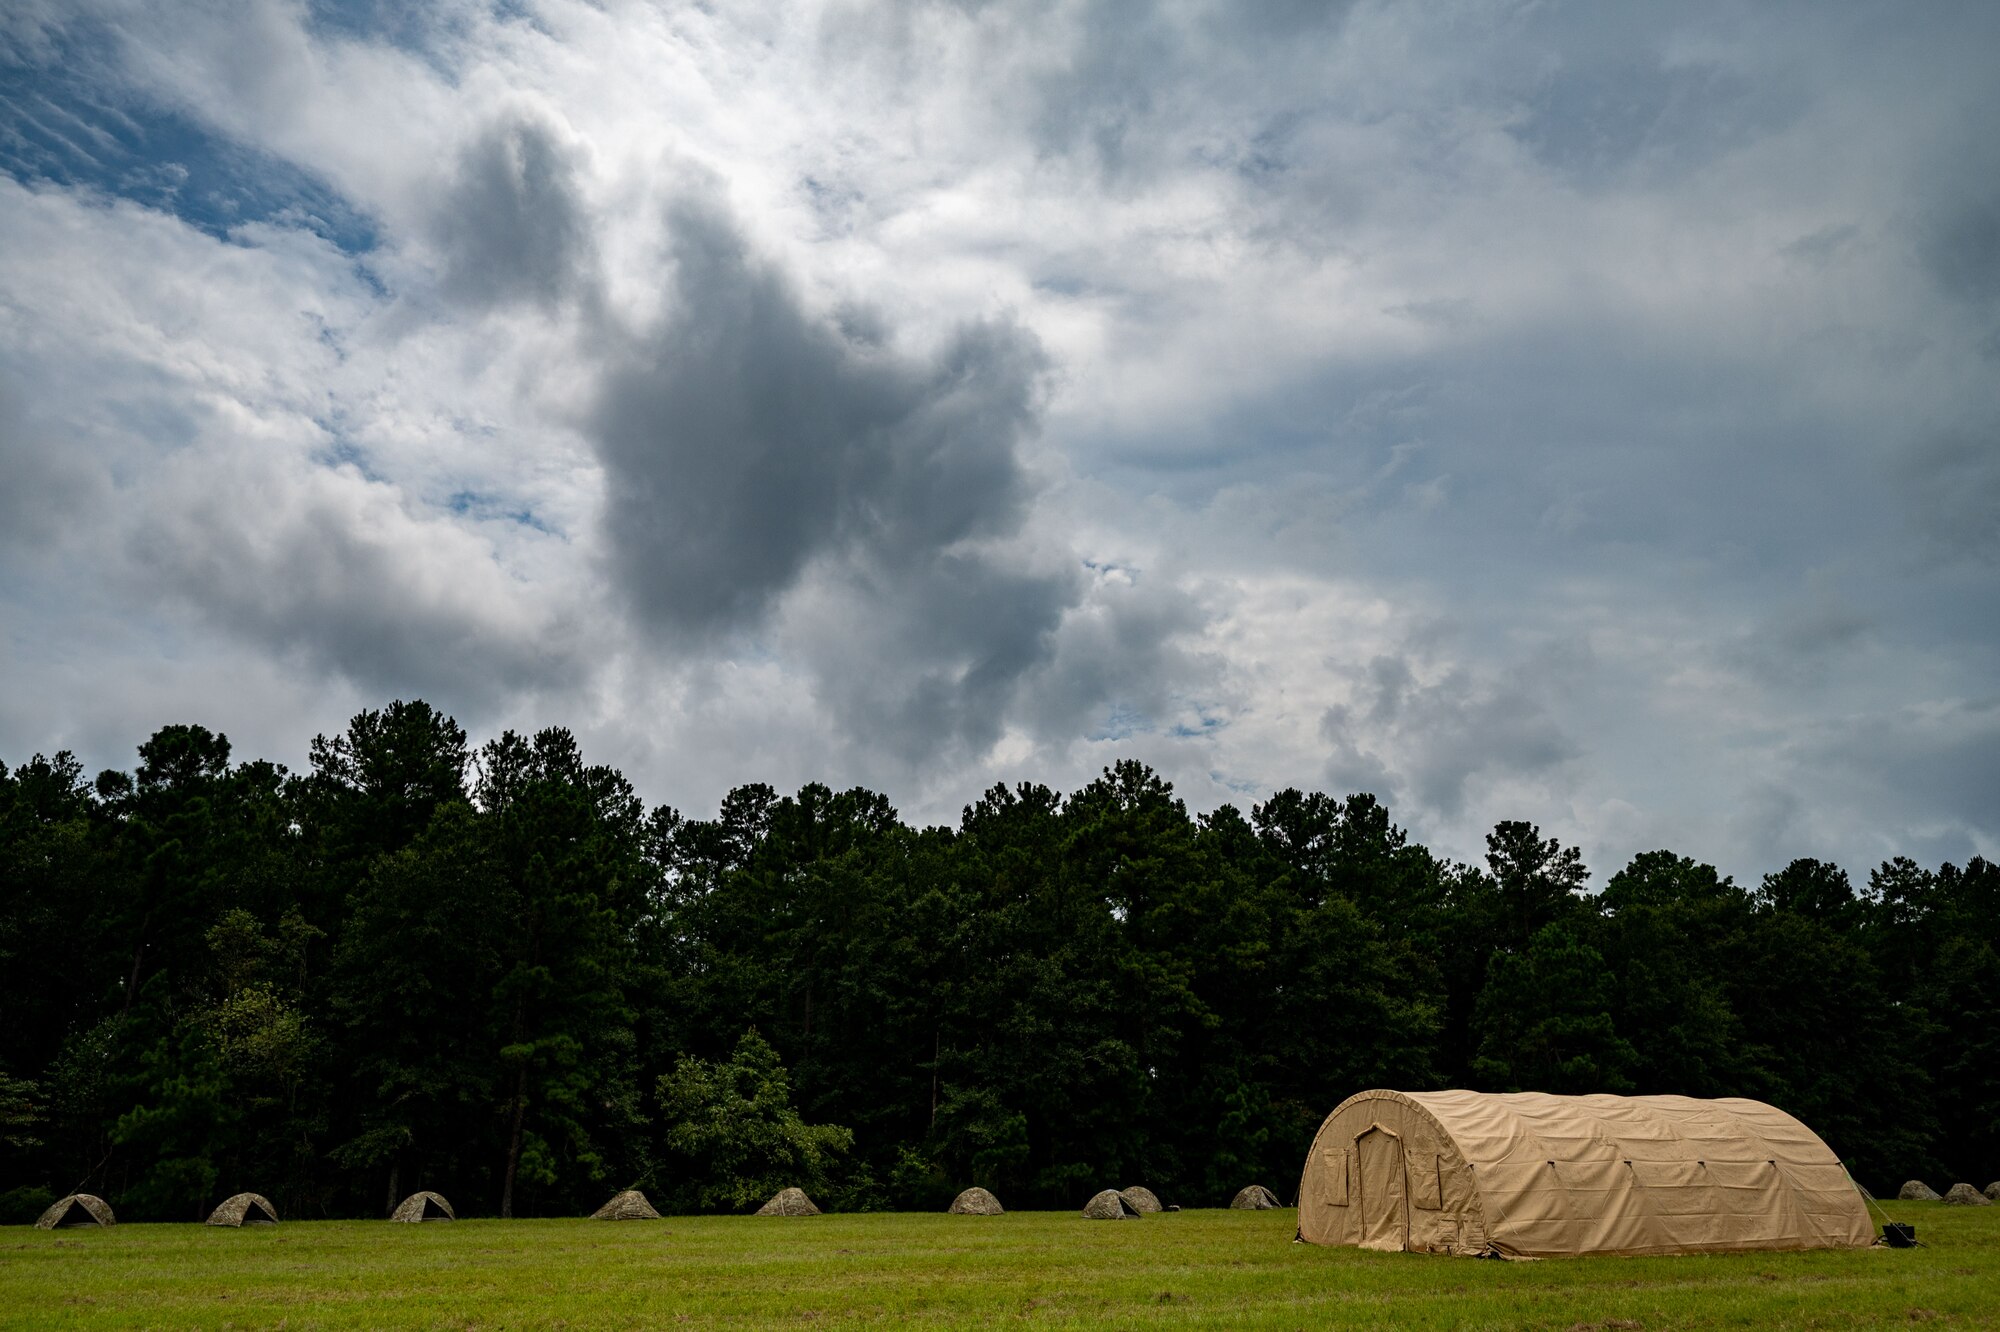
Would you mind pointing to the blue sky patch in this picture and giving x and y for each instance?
(1122, 723)
(473, 504)
(66, 121)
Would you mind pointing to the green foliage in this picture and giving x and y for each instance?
(976, 1128)
(918, 1183)
(185, 1120)
(735, 1135)
(498, 975)
(20, 1114)
(1544, 1019)
(25, 1204)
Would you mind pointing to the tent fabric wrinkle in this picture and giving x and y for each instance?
(1528, 1174)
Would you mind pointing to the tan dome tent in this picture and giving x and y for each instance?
(1254, 1198)
(1532, 1175)
(245, 1209)
(975, 1201)
(631, 1205)
(789, 1202)
(425, 1206)
(79, 1209)
(1110, 1205)
(1142, 1199)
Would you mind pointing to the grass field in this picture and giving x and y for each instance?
(1036, 1269)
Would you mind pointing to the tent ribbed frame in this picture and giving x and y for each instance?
(60, 1213)
(242, 1209)
(419, 1206)
(1529, 1174)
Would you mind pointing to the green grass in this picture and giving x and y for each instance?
(1032, 1269)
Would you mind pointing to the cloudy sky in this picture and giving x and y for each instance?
(1582, 413)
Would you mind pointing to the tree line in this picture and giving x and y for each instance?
(496, 973)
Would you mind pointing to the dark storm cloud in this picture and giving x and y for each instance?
(1605, 94)
(1953, 227)
(759, 456)
(1800, 644)
(1099, 99)
(1927, 776)
(745, 437)
(929, 662)
(1595, 120)
(1506, 456)
(333, 575)
(1961, 247)
(1444, 733)
(1953, 487)
(511, 226)
(1124, 656)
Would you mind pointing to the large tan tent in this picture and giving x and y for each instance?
(1532, 1175)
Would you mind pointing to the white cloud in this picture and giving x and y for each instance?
(1535, 413)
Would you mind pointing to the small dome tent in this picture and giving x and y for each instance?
(245, 1209)
(1254, 1198)
(423, 1206)
(1109, 1205)
(79, 1209)
(631, 1205)
(1527, 1174)
(976, 1201)
(789, 1202)
(1142, 1199)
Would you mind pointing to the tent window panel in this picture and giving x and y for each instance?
(1424, 1190)
(1338, 1166)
